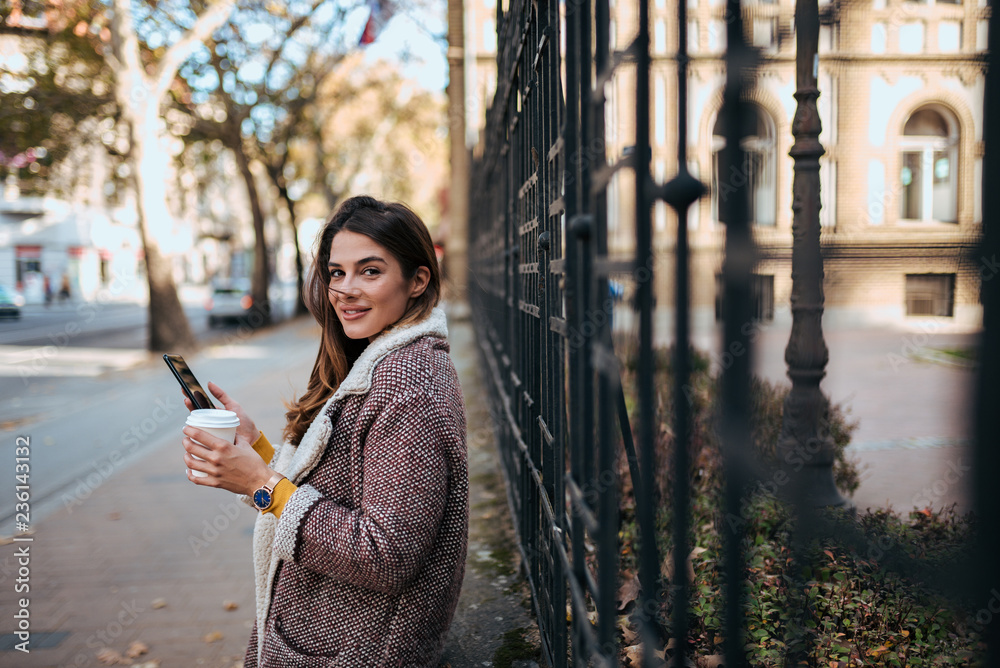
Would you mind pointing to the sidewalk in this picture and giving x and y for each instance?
(147, 558)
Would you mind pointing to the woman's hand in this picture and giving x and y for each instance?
(231, 466)
(247, 428)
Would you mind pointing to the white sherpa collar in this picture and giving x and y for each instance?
(295, 462)
(359, 380)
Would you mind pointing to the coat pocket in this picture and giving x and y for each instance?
(279, 652)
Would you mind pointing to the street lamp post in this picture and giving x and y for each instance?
(805, 435)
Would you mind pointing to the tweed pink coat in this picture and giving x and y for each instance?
(364, 567)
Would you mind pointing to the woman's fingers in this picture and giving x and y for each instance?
(201, 442)
(220, 395)
(247, 427)
(200, 465)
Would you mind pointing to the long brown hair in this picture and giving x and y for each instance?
(401, 232)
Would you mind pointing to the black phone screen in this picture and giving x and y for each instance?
(192, 388)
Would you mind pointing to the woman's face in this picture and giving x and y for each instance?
(367, 287)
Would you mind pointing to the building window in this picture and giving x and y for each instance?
(761, 294)
(911, 37)
(879, 37)
(759, 172)
(930, 294)
(716, 36)
(765, 33)
(660, 37)
(489, 36)
(949, 36)
(29, 262)
(928, 175)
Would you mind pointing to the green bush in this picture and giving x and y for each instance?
(818, 600)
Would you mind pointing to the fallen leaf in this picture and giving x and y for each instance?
(158, 603)
(155, 663)
(110, 657)
(628, 635)
(878, 651)
(230, 605)
(114, 516)
(712, 661)
(137, 648)
(629, 591)
(633, 655)
(214, 636)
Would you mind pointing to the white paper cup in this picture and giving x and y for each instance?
(216, 422)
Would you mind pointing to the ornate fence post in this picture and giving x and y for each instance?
(804, 427)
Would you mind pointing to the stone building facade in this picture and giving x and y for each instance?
(901, 105)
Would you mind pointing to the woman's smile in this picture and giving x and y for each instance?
(367, 286)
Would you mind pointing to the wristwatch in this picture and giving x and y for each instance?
(264, 496)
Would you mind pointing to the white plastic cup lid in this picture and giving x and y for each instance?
(213, 417)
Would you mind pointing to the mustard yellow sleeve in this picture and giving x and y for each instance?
(285, 487)
(263, 447)
(282, 492)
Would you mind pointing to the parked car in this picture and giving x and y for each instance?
(229, 301)
(10, 303)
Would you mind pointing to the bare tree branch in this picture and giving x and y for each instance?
(124, 41)
(178, 52)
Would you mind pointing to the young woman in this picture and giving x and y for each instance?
(359, 548)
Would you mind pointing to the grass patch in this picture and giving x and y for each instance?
(810, 600)
(967, 354)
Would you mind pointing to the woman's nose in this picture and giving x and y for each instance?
(346, 289)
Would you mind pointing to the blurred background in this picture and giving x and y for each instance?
(165, 166)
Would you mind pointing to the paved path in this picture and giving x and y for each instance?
(911, 404)
(144, 556)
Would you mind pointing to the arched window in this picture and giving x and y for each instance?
(928, 174)
(760, 170)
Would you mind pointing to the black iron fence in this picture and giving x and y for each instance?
(544, 290)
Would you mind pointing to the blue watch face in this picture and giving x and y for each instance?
(262, 498)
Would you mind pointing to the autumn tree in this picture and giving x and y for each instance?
(140, 90)
(261, 70)
(84, 45)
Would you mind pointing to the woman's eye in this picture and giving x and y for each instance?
(336, 273)
(371, 271)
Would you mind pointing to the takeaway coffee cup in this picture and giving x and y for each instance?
(217, 423)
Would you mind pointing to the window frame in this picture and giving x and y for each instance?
(754, 145)
(927, 146)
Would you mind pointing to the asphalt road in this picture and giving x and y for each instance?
(84, 429)
(77, 381)
(85, 324)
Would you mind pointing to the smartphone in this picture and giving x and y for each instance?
(192, 388)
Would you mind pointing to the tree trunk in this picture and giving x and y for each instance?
(261, 270)
(139, 103)
(169, 330)
(282, 186)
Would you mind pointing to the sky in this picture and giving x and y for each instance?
(409, 39)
